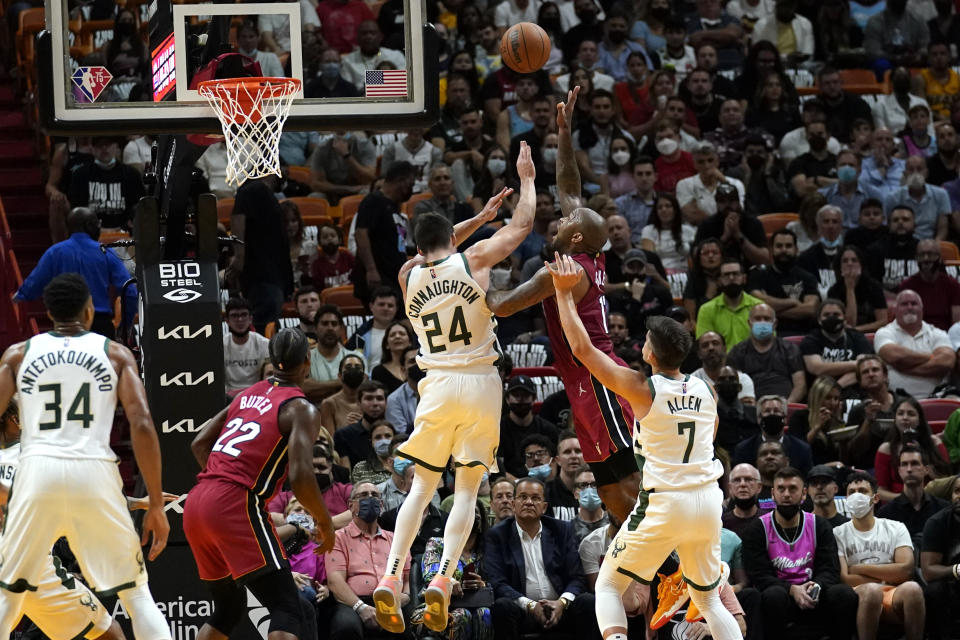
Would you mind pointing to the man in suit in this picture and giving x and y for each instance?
(534, 567)
(773, 419)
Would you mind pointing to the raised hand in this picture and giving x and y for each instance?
(565, 272)
(525, 168)
(565, 109)
(489, 211)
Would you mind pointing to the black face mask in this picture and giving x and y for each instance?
(817, 143)
(772, 425)
(788, 511)
(551, 24)
(660, 13)
(728, 391)
(756, 162)
(352, 377)
(415, 373)
(745, 504)
(324, 481)
(330, 249)
(126, 29)
(617, 37)
(732, 290)
(587, 17)
(785, 262)
(521, 409)
(833, 324)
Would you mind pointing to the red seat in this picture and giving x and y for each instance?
(794, 339)
(794, 406)
(936, 409)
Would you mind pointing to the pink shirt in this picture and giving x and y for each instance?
(336, 497)
(362, 558)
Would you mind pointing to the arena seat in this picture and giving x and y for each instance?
(312, 208)
(299, 174)
(792, 407)
(224, 211)
(939, 408)
(546, 380)
(949, 251)
(342, 297)
(775, 221)
(794, 339)
(407, 207)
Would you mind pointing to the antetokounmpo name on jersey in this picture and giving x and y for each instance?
(102, 373)
(440, 287)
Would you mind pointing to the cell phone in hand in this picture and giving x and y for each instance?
(814, 592)
(470, 568)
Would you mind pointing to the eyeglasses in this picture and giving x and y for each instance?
(525, 498)
(542, 454)
(585, 485)
(367, 494)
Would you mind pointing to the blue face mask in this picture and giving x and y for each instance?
(831, 244)
(846, 174)
(369, 509)
(400, 465)
(762, 330)
(382, 448)
(589, 498)
(541, 472)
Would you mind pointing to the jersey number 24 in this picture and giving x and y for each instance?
(458, 330)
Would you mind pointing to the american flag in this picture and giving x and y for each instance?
(389, 83)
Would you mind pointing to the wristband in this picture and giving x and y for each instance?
(956, 571)
(359, 604)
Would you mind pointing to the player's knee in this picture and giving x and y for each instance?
(148, 622)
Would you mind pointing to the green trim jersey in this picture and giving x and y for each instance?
(9, 459)
(68, 397)
(674, 443)
(449, 313)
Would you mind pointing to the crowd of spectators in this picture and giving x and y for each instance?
(821, 336)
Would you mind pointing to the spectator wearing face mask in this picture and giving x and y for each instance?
(673, 164)
(712, 352)
(847, 192)
(335, 489)
(930, 204)
(773, 363)
(590, 513)
(832, 349)
(353, 441)
(330, 83)
(519, 422)
(106, 186)
(894, 258)
(378, 466)
(332, 268)
(821, 258)
(343, 407)
(402, 403)
(358, 559)
(540, 462)
(244, 352)
(728, 313)
(737, 421)
(789, 289)
(744, 487)
(394, 490)
(817, 167)
(940, 292)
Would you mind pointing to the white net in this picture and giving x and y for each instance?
(252, 112)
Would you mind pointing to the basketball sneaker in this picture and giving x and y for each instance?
(693, 614)
(437, 599)
(386, 600)
(672, 595)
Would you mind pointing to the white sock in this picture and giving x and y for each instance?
(148, 623)
(722, 624)
(462, 514)
(409, 517)
(609, 604)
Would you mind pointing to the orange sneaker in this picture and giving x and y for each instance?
(437, 600)
(386, 600)
(693, 614)
(672, 595)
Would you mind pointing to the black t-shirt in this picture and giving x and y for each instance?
(869, 294)
(387, 230)
(818, 262)
(432, 527)
(696, 289)
(267, 249)
(941, 535)
(563, 506)
(937, 172)
(891, 261)
(512, 434)
(847, 347)
(901, 510)
(840, 116)
(353, 441)
(737, 423)
(110, 193)
(708, 116)
(556, 408)
(862, 450)
(750, 227)
(771, 371)
(810, 166)
(863, 237)
(655, 301)
(614, 265)
(795, 284)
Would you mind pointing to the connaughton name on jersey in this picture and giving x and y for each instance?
(441, 287)
(101, 372)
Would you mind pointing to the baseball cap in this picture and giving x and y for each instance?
(727, 191)
(677, 313)
(634, 254)
(822, 471)
(521, 382)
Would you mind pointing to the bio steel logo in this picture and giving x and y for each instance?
(183, 276)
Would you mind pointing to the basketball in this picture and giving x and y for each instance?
(525, 47)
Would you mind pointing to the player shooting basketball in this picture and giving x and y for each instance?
(603, 420)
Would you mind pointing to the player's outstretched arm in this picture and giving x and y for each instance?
(146, 445)
(465, 229)
(9, 365)
(301, 420)
(505, 241)
(534, 290)
(568, 174)
(621, 380)
(203, 442)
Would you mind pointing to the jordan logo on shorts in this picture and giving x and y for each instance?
(618, 546)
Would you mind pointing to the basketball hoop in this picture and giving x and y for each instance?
(252, 112)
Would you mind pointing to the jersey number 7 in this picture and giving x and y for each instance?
(690, 427)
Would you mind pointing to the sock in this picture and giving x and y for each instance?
(609, 604)
(722, 624)
(460, 521)
(408, 518)
(148, 622)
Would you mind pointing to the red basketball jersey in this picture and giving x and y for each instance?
(592, 310)
(251, 451)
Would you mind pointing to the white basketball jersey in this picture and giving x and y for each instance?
(9, 457)
(448, 311)
(68, 396)
(674, 444)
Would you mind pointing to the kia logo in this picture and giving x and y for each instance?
(183, 332)
(181, 295)
(185, 379)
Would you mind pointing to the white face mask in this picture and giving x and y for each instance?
(620, 158)
(500, 278)
(550, 155)
(667, 146)
(859, 505)
(916, 181)
(496, 166)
